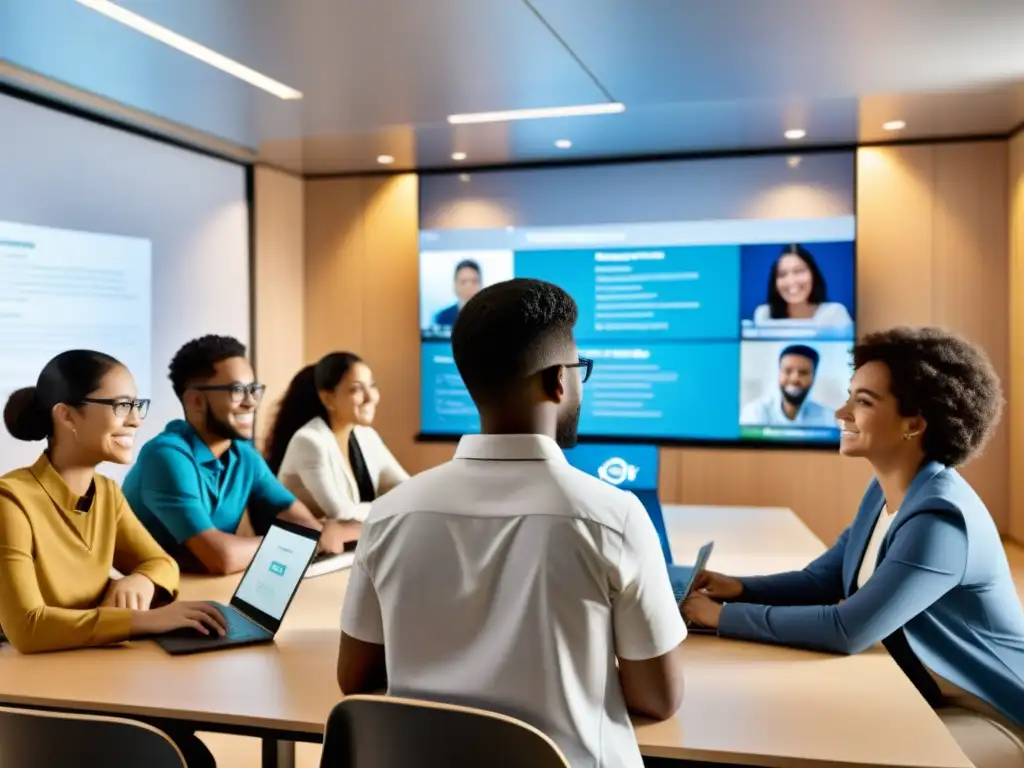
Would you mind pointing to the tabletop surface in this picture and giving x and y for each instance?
(744, 703)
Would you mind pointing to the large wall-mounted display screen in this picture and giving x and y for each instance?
(717, 297)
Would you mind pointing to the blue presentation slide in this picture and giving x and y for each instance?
(658, 389)
(634, 391)
(445, 405)
(651, 293)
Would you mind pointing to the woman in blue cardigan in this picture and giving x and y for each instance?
(921, 569)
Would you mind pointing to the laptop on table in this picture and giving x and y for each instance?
(635, 468)
(263, 595)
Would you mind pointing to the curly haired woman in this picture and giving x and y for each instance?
(921, 569)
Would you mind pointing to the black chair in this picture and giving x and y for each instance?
(390, 732)
(36, 739)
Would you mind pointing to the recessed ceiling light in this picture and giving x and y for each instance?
(563, 144)
(793, 162)
(795, 133)
(192, 48)
(458, 156)
(385, 159)
(607, 108)
(894, 125)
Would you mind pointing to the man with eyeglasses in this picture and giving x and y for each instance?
(533, 577)
(192, 484)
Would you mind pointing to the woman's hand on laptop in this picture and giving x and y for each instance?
(702, 610)
(202, 617)
(718, 586)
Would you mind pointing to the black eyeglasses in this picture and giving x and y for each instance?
(237, 391)
(586, 364)
(120, 407)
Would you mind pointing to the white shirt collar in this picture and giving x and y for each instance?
(509, 448)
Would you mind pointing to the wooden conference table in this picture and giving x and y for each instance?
(745, 703)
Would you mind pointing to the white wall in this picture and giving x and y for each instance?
(61, 171)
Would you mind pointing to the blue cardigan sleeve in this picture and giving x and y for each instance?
(926, 559)
(820, 583)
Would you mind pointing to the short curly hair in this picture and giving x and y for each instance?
(943, 378)
(508, 331)
(196, 360)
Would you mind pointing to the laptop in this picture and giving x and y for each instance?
(325, 563)
(262, 596)
(635, 468)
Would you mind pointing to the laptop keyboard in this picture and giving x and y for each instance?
(239, 627)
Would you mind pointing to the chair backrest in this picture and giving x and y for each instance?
(36, 738)
(391, 732)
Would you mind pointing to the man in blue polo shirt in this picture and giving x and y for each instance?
(192, 483)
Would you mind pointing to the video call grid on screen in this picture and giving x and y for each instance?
(717, 297)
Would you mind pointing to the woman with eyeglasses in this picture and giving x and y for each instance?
(322, 445)
(63, 527)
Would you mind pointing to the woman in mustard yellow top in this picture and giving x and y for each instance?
(62, 526)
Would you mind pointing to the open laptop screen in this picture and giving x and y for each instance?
(629, 467)
(275, 572)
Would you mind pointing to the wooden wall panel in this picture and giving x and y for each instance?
(336, 267)
(895, 236)
(970, 263)
(278, 284)
(363, 295)
(931, 250)
(1016, 390)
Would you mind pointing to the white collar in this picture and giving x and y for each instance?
(509, 448)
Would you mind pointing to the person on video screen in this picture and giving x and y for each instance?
(468, 279)
(797, 292)
(790, 404)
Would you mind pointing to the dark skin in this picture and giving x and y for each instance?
(795, 371)
(651, 687)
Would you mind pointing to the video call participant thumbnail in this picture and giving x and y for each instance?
(790, 404)
(797, 292)
(192, 484)
(466, 284)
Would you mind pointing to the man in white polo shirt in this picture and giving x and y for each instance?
(506, 579)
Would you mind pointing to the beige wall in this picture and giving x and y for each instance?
(1015, 466)
(279, 287)
(932, 249)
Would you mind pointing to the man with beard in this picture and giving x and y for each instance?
(791, 405)
(192, 483)
(506, 579)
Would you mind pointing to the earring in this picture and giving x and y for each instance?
(910, 435)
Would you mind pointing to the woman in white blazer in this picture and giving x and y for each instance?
(322, 447)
